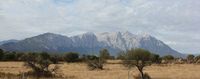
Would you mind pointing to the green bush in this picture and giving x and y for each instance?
(9, 56)
(155, 58)
(55, 59)
(71, 57)
(168, 57)
(104, 54)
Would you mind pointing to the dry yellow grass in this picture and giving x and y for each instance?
(12, 67)
(114, 71)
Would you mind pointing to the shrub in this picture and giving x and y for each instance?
(190, 58)
(18, 56)
(71, 57)
(54, 59)
(168, 57)
(95, 64)
(1, 54)
(85, 58)
(9, 56)
(155, 58)
(91, 57)
(104, 54)
(39, 63)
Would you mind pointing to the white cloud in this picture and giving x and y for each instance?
(168, 20)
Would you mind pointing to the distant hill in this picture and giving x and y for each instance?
(8, 41)
(91, 43)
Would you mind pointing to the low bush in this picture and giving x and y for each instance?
(95, 64)
(71, 57)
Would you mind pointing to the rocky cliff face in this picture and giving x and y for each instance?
(91, 43)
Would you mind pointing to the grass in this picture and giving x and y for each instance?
(113, 70)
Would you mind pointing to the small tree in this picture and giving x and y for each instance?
(190, 58)
(168, 57)
(139, 58)
(9, 56)
(155, 58)
(94, 62)
(54, 58)
(1, 54)
(85, 58)
(71, 57)
(19, 56)
(44, 55)
(121, 56)
(104, 54)
(39, 63)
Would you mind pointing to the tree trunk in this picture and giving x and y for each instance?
(141, 71)
(142, 74)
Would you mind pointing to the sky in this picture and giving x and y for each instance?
(175, 22)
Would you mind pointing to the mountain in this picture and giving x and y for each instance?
(45, 42)
(8, 41)
(127, 40)
(91, 43)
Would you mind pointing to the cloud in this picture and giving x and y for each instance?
(176, 22)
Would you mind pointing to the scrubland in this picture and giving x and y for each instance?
(112, 70)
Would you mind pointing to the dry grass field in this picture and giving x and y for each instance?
(113, 71)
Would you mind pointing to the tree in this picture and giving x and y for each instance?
(94, 62)
(71, 57)
(18, 56)
(139, 58)
(104, 54)
(9, 56)
(121, 56)
(168, 57)
(39, 63)
(155, 58)
(85, 58)
(44, 55)
(1, 54)
(54, 58)
(190, 58)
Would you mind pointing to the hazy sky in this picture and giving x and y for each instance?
(176, 22)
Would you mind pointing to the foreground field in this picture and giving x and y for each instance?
(113, 71)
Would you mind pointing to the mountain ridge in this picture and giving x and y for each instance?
(8, 41)
(91, 43)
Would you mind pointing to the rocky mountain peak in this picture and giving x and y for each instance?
(92, 42)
